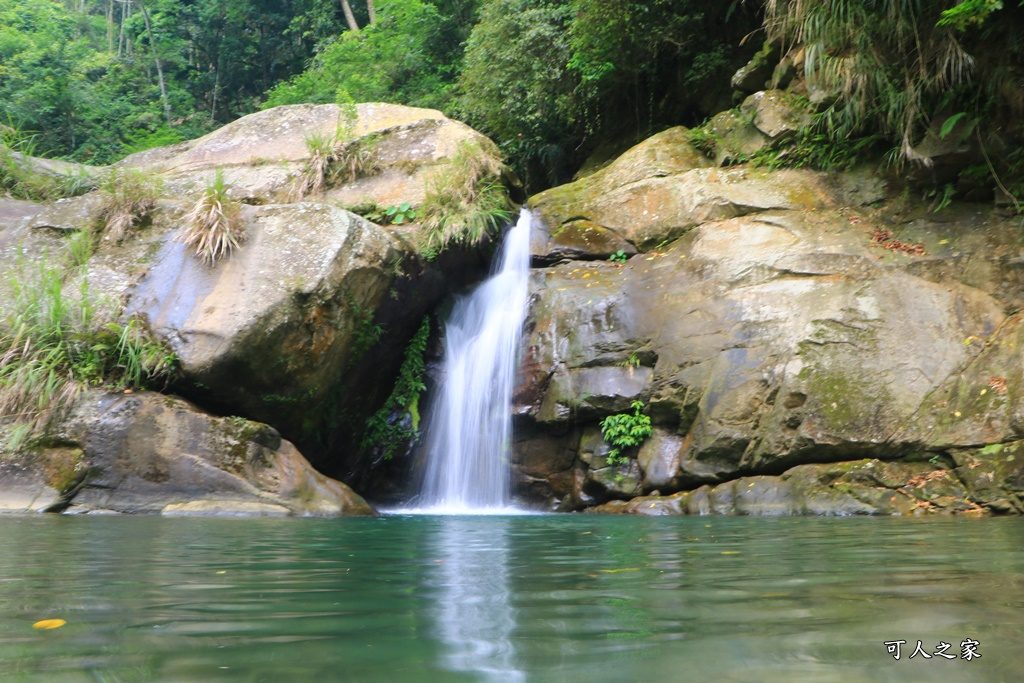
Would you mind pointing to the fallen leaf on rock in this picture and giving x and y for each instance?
(48, 624)
(998, 384)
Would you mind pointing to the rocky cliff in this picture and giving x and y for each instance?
(303, 327)
(802, 342)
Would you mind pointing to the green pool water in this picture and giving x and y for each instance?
(530, 598)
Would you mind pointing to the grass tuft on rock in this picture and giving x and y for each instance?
(129, 196)
(22, 179)
(53, 345)
(213, 228)
(467, 201)
(336, 159)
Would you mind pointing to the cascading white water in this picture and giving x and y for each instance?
(469, 433)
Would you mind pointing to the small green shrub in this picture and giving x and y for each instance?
(625, 430)
(353, 159)
(704, 140)
(940, 198)
(633, 361)
(314, 175)
(383, 431)
(213, 228)
(618, 257)
(467, 201)
(53, 345)
(402, 213)
(129, 196)
(80, 248)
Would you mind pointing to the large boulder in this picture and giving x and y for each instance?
(664, 187)
(272, 329)
(149, 453)
(753, 75)
(304, 326)
(261, 155)
(785, 319)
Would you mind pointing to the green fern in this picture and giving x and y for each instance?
(624, 431)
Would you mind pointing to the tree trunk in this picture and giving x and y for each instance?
(122, 41)
(216, 89)
(371, 10)
(350, 18)
(110, 25)
(159, 65)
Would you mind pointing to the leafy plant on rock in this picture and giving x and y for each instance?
(625, 430)
(336, 159)
(21, 179)
(388, 429)
(618, 257)
(401, 213)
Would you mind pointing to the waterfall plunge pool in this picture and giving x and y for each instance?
(521, 598)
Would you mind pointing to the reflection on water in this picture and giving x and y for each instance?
(474, 616)
(544, 599)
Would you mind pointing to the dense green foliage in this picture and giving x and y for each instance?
(914, 76)
(551, 81)
(891, 65)
(399, 58)
(398, 421)
(85, 75)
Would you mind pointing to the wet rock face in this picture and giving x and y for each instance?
(771, 321)
(148, 453)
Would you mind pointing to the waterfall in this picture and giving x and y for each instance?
(468, 439)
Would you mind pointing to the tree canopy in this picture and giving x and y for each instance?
(550, 80)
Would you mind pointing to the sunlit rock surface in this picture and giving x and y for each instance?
(772, 320)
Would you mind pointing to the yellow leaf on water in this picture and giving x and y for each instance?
(48, 624)
(730, 552)
(619, 571)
